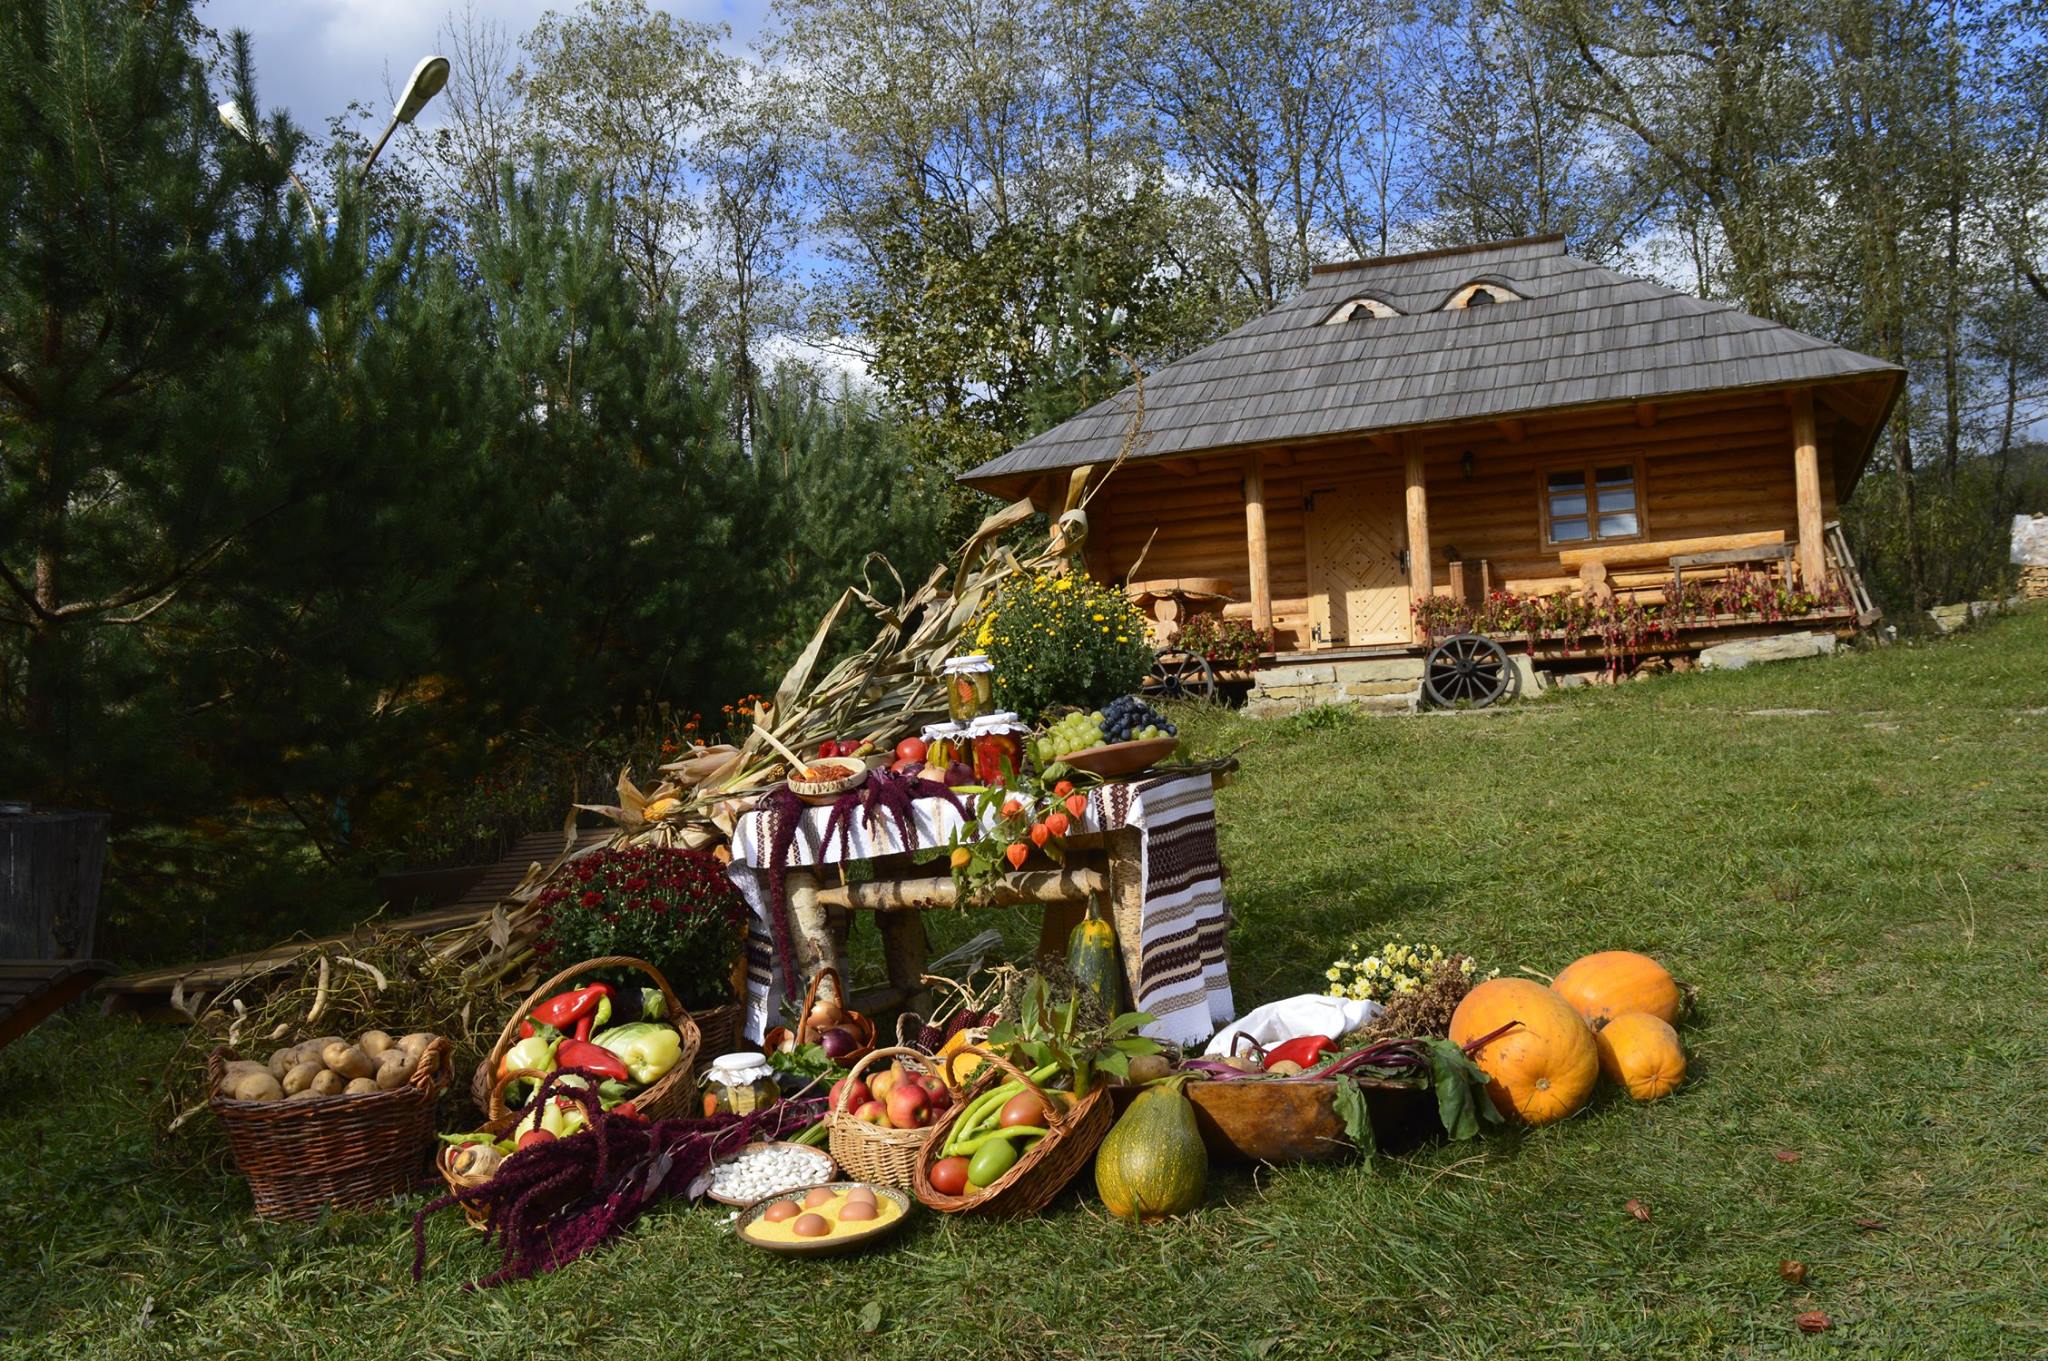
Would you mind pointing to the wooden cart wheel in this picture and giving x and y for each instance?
(1180, 674)
(1470, 670)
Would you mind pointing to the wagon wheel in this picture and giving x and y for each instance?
(1180, 674)
(1470, 670)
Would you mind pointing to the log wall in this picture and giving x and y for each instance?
(1717, 473)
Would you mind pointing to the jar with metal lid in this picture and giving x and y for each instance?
(998, 743)
(739, 1084)
(945, 743)
(970, 686)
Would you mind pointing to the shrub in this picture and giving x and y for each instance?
(674, 908)
(1062, 640)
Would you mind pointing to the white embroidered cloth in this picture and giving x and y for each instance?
(1183, 946)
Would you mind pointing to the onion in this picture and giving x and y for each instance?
(838, 1042)
(826, 1013)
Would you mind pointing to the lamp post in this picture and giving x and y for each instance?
(231, 115)
(425, 82)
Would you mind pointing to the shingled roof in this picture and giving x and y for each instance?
(1579, 335)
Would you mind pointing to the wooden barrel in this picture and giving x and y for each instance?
(50, 863)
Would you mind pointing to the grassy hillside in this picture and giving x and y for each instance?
(1849, 857)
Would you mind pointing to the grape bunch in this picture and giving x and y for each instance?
(1131, 719)
(1075, 732)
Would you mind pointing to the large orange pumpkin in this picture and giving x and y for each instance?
(1641, 1054)
(1605, 985)
(1543, 1068)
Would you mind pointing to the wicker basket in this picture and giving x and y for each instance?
(667, 1095)
(874, 1153)
(343, 1151)
(1045, 1168)
(860, 1025)
(498, 1126)
(718, 1032)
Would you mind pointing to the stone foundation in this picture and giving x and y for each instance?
(1377, 684)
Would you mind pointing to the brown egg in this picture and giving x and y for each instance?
(812, 1226)
(858, 1209)
(779, 1211)
(821, 1196)
(863, 1194)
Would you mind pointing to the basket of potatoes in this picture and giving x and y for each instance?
(331, 1121)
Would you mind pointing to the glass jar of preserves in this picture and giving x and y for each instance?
(998, 743)
(945, 743)
(970, 686)
(739, 1084)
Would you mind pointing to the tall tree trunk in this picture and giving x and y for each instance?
(1902, 466)
(1951, 320)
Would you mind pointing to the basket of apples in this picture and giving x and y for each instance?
(879, 1118)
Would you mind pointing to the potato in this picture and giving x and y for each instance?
(416, 1043)
(347, 1060)
(327, 1082)
(236, 1068)
(256, 1086)
(301, 1076)
(283, 1060)
(360, 1086)
(395, 1068)
(374, 1043)
(307, 1095)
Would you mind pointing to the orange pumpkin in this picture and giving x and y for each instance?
(1605, 985)
(1544, 1068)
(1641, 1054)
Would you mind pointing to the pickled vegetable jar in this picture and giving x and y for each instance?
(739, 1084)
(998, 743)
(945, 743)
(970, 686)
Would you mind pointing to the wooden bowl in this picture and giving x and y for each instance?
(1284, 1122)
(826, 1247)
(824, 1161)
(1122, 758)
(826, 791)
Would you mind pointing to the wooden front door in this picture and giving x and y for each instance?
(1357, 570)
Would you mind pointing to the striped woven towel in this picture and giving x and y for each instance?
(1183, 945)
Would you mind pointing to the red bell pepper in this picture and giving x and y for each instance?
(573, 1011)
(593, 1059)
(1306, 1050)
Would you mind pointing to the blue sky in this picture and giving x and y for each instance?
(314, 56)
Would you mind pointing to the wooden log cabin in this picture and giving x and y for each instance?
(1503, 417)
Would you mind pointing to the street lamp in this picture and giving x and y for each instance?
(425, 82)
(231, 115)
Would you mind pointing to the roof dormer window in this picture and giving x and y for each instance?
(1359, 309)
(1482, 294)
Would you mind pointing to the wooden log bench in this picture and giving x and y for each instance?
(1772, 556)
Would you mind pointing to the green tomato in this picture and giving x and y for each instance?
(991, 1160)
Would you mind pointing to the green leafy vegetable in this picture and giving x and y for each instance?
(1461, 1099)
(1349, 1103)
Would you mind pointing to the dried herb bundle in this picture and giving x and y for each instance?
(1427, 1010)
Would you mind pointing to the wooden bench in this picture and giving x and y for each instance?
(31, 990)
(1769, 555)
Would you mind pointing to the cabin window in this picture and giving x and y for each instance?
(1592, 505)
(1480, 295)
(1359, 309)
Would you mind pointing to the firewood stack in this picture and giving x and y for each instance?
(2034, 583)
(2030, 554)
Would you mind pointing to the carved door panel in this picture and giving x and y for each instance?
(1357, 568)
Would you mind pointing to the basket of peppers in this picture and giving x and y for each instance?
(637, 1044)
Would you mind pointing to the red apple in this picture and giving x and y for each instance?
(913, 749)
(910, 1107)
(858, 1094)
(828, 747)
(873, 1113)
(536, 1136)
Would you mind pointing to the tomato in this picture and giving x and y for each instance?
(949, 1176)
(912, 749)
(1022, 1109)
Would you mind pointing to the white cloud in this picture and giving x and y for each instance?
(314, 56)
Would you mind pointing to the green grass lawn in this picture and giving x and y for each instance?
(1848, 857)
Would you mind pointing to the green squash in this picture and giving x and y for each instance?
(1153, 1165)
(1091, 958)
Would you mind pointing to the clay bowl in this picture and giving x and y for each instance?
(826, 1247)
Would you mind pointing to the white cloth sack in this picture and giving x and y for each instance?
(1312, 1013)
